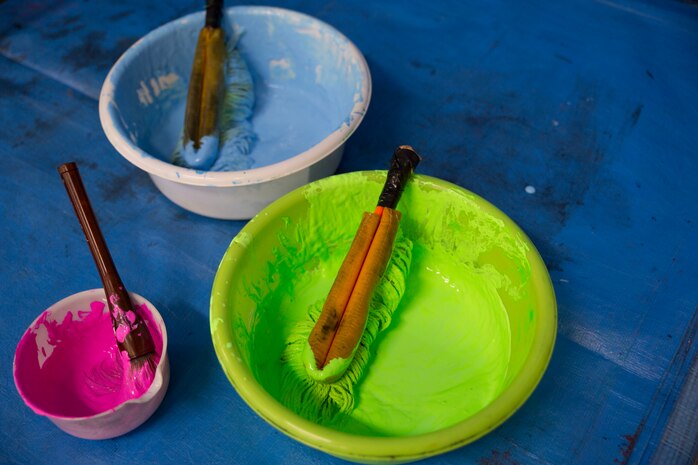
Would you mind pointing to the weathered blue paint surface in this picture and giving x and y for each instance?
(591, 104)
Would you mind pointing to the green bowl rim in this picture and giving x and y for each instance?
(377, 449)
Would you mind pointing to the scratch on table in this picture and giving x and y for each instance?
(614, 347)
(62, 27)
(671, 378)
(678, 444)
(636, 115)
(632, 11)
(498, 458)
(563, 58)
(626, 448)
(92, 53)
(120, 15)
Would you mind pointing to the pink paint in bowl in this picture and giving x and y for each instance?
(67, 367)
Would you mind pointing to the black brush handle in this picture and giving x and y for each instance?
(214, 13)
(138, 341)
(403, 163)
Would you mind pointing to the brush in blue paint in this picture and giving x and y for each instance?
(217, 134)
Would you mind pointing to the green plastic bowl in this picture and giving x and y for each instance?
(478, 318)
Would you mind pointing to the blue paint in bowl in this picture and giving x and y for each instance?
(312, 88)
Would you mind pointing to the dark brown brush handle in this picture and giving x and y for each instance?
(138, 341)
(403, 163)
(214, 13)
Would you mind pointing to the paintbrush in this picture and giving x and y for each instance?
(339, 328)
(201, 133)
(326, 353)
(131, 332)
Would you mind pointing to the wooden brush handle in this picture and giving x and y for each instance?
(95, 240)
(214, 13)
(352, 325)
(403, 163)
(325, 330)
(137, 342)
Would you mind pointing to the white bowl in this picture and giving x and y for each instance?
(312, 88)
(108, 424)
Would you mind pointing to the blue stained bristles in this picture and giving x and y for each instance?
(236, 133)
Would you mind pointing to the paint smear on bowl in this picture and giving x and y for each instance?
(69, 365)
(457, 337)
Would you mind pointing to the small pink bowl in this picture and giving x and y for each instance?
(108, 424)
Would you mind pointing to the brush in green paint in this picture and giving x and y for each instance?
(326, 355)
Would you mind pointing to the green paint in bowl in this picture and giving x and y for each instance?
(467, 344)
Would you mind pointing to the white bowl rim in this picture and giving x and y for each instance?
(146, 397)
(303, 160)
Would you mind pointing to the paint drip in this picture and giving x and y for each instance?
(73, 367)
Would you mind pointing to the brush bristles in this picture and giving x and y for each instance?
(105, 378)
(143, 371)
(327, 403)
(111, 376)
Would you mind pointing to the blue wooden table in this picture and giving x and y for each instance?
(577, 118)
